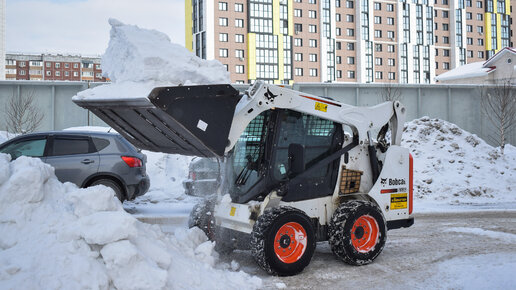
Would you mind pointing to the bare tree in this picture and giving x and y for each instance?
(499, 105)
(390, 92)
(21, 114)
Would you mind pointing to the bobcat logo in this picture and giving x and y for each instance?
(270, 96)
(383, 180)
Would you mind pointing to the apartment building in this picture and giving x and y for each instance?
(286, 41)
(53, 67)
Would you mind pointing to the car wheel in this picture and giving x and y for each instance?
(357, 232)
(283, 241)
(113, 185)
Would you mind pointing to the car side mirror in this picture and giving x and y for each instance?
(296, 158)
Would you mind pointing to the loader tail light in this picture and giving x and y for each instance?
(132, 161)
(193, 175)
(411, 183)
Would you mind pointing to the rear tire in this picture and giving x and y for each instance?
(119, 193)
(283, 241)
(357, 232)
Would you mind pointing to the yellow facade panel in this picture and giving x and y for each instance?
(275, 17)
(251, 56)
(290, 17)
(188, 25)
(498, 32)
(507, 7)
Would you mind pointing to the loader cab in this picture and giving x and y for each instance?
(277, 146)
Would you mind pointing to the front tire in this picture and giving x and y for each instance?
(201, 216)
(357, 232)
(283, 241)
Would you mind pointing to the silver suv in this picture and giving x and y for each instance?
(87, 159)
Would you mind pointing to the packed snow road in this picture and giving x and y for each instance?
(468, 250)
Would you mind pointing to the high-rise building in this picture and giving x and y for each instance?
(2, 39)
(52, 67)
(283, 41)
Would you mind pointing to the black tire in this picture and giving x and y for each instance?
(201, 216)
(357, 232)
(266, 250)
(119, 193)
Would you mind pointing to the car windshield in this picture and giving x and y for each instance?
(245, 160)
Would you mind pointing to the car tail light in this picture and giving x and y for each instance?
(192, 175)
(132, 161)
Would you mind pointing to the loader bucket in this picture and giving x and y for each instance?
(186, 120)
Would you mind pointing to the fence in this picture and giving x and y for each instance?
(459, 104)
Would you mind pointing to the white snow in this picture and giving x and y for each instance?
(508, 237)
(138, 60)
(453, 166)
(55, 235)
(470, 70)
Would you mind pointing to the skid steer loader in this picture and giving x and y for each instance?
(298, 168)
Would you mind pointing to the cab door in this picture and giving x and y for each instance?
(74, 158)
(320, 138)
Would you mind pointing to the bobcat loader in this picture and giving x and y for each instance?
(298, 168)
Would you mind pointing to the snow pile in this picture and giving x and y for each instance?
(55, 235)
(138, 60)
(454, 166)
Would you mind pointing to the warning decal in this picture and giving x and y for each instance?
(321, 107)
(232, 211)
(399, 201)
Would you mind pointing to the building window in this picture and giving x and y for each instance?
(239, 69)
(390, 35)
(22, 72)
(339, 74)
(239, 53)
(390, 48)
(223, 52)
(390, 20)
(392, 76)
(56, 65)
(378, 61)
(298, 13)
(223, 6)
(480, 54)
(479, 4)
(445, 26)
(378, 47)
(313, 43)
(446, 65)
(469, 41)
(298, 57)
(446, 52)
(298, 72)
(298, 27)
(470, 53)
(378, 33)
(349, 4)
(479, 17)
(338, 45)
(390, 7)
(75, 65)
(75, 74)
(378, 75)
(338, 60)
(239, 38)
(298, 42)
(67, 65)
(391, 62)
(469, 28)
(67, 74)
(446, 39)
(351, 74)
(480, 41)
(338, 31)
(351, 46)
(350, 18)
(313, 57)
(223, 21)
(223, 37)
(469, 16)
(313, 72)
(378, 20)
(377, 6)
(48, 73)
(312, 1)
(239, 22)
(338, 17)
(350, 32)
(312, 14)
(22, 64)
(351, 60)
(312, 28)
(239, 7)
(445, 14)
(58, 73)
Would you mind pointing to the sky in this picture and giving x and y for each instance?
(81, 26)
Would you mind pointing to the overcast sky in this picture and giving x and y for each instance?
(81, 26)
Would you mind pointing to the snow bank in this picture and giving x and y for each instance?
(55, 235)
(138, 60)
(454, 166)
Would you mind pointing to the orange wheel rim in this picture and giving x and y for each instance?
(365, 234)
(290, 242)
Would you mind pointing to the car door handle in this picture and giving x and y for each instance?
(87, 161)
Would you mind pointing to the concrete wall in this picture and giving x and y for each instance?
(459, 104)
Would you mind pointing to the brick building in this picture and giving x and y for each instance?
(51, 67)
(283, 41)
